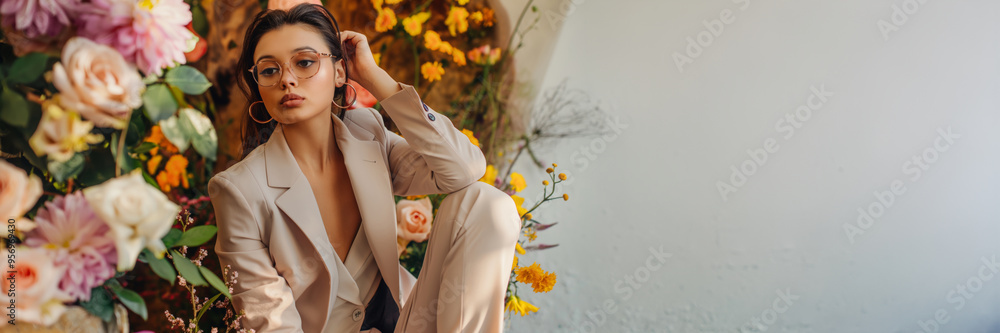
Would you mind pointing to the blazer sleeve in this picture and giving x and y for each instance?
(432, 156)
(260, 291)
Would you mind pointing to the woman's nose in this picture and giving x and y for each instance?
(288, 78)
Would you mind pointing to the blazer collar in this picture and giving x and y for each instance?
(369, 174)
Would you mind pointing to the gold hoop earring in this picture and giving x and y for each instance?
(250, 111)
(355, 100)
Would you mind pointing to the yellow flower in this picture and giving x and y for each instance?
(61, 133)
(386, 20)
(517, 182)
(472, 138)
(490, 176)
(462, 2)
(457, 20)
(174, 173)
(565, 197)
(377, 4)
(518, 201)
(476, 16)
(530, 233)
(392, 2)
(518, 306)
(518, 248)
(445, 48)
(432, 40)
(530, 274)
(544, 284)
(458, 57)
(432, 71)
(562, 176)
(414, 23)
(515, 264)
(378, 57)
(545, 183)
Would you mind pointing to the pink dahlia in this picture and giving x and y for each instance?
(36, 17)
(80, 240)
(149, 33)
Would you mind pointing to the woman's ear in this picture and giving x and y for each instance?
(340, 72)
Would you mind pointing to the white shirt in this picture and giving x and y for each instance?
(358, 276)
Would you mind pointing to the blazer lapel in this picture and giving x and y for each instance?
(369, 174)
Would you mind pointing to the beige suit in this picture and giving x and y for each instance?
(271, 231)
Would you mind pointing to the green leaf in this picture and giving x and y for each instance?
(173, 129)
(27, 68)
(161, 267)
(15, 108)
(215, 281)
(131, 300)
(187, 79)
(158, 102)
(171, 237)
(143, 147)
(152, 182)
(68, 169)
(197, 235)
(199, 129)
(187, 269)
(100, 304)
(206, 307)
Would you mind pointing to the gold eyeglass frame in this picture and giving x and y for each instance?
(281, 69)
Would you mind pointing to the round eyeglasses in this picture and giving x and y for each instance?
(304, 65)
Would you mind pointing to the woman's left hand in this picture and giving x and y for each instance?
(362, 68)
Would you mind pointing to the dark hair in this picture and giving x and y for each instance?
(316, 16)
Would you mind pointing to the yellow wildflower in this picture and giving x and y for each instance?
(562, 176)
(545, 183)
(445, 48)
(555, 165)
(476, 16)
(432, 40)
(377, 4)
(392, 2)
(518, 248)
(432, 71)
(414, 23)
(386, 20)
(462, 2)
(490, 176)
(517, 182)
(518, 306)
(458, 57)
(549, 170)
(457, 20)
(530, 274)
(530, 233)
(544, 284)
(565, 197)
(518, 201)
(515, 264)
(472, 138)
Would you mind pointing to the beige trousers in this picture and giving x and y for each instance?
(467, 265)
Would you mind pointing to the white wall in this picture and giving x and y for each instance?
(655, 184)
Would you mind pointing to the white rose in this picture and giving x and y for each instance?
(138, 214)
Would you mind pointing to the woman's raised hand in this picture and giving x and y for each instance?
(360, 61)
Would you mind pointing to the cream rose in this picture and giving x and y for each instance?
(138, 214)
(96, 81)
(18, 193)
(413, 219)
(35, 283)
(61, 133)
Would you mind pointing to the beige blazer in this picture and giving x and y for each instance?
(271, 231)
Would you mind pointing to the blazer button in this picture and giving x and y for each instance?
(425, 107)
(430, 116)
(357, 314)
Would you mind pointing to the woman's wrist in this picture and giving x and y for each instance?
(380, 84)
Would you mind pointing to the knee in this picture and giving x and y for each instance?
(492, 209)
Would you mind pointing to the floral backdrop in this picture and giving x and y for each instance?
(110, 130)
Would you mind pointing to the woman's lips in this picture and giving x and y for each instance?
(291, 100)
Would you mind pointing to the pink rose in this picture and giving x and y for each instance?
(96, 81)
(18, 191)
(36, 280)
(413, 219)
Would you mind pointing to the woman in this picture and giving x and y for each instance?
(307, 216)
